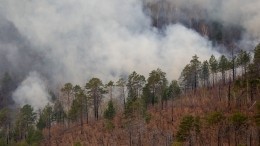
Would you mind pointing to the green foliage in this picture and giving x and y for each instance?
(205, 72)
(214, 118)
(22, 143)
(147, 117)
(177, 144)
(188, 125)
(67, 88)
(190, 74)
(195, 63)
(257, 54)
(155, 87)
(147, 96)
(67, 91)
(134, 85)
(26, 118)
(134, 108)
(109, 125)
(2, 141)
(94, 83)
(110, 112)
(223, 64)
(239, 83)
(110, 83)
(197, 124)
(195, 68)
(95, 91)
(174, 89)
(77, 144)
(213, 64)
(58, 112)
(34, 137)
(243, 58)
(74, 110)
(45, 117)
(185, 128)
(24, 121)
(257, 59)
(27, 114)
(186, 78)
(121, 82)
(238, 119)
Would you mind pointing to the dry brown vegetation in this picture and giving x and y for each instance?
(163, 125)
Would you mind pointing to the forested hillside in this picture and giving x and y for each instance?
(214, 102)
(134, 72)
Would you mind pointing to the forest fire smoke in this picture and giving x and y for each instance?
(72, 41)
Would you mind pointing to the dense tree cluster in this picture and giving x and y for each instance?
(196, 74)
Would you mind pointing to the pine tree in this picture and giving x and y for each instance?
(134, 85)
(213, 67)
(174, 91)
(95, 90)
(157, 84)
(186, 78)
(205, 72)
(110, 112)
(46, 117)
(24, 121)
(110, 86)
(243, 60)
(67, 90)
(195, 68)
(223, 66)
(122, 83)
(257, 59)
(185, 128)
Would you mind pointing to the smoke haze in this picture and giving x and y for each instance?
(72, 41)
(228, 12)
(32, 91)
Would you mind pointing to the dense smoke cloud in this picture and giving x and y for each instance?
(72, 41)
(32, 91)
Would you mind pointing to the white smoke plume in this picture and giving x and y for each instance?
(76, 40)
(32, 91)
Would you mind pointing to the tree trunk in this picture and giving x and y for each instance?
(124, 95)
(81, 120)
(219, 136)
(235, 133)
(87, 112)
(130, 139)
(213, 79)
(229, 96)
(172, 110)
(162, 103)
(49, 128)
(233, 64)
(195, 81)
(250, 138)
(219, 93)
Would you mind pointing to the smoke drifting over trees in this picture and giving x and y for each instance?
(72, 41)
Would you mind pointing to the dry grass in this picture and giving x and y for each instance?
(161, 129)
